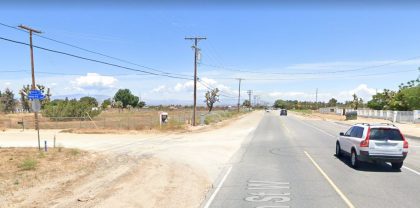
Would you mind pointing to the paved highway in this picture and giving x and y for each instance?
(290, 162)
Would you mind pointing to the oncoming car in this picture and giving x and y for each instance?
(283, 112)
(373, 142)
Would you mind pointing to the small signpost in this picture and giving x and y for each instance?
(36, 105)
(36, 96)
(163, 118)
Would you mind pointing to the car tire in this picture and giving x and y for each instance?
(397, 165)
(354, 160)
(338, 150)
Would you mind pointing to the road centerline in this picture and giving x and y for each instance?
(339, 192)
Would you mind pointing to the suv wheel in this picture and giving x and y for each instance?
(354, 160)
(337, 150)
(397, 165)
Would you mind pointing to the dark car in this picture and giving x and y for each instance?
(283, 112)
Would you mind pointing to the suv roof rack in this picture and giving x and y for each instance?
(376, 124)
(366, 124)
(388, 124)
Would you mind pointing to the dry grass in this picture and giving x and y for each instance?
(113, 121)
(23, 168)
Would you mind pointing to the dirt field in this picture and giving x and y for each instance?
(74, 178)
(112, 120)
(141, 169)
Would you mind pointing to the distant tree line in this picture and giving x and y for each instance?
(85, 106)
(309, 105)
(82, 107)
(406, 98)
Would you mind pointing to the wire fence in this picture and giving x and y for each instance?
(129, 120)
(123, 120)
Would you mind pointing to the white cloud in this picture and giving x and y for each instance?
(160, 88)
(362, 91)
(94, 81)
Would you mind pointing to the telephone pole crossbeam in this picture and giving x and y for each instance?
(33, 87)
(196, 49)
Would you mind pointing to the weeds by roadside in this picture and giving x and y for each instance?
(28, 164)
(220, 116)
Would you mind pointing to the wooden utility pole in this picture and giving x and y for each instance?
(239, 94)
(196, 49)
(249, 94)
(316, 99)
(33, 87)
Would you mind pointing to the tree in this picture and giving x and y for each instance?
(141, 104)
(8, 101)
(26, 103)
(70, 108)
(91, 101)
(246, 103)
(411, 97)
(212, 96)
(119, 105)
(24, 98)
(355, 102)
(106, 103)
(332, 102)
(125, 96)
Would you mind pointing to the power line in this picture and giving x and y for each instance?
(97, 53)
(206, 85)
(315, 78)
(70, 74)
(94, 60)
(318, 72)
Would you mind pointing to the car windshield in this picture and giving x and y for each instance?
(385, 134)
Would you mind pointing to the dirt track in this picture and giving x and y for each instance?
(138, 170)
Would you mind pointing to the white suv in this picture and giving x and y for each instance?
(373, 142)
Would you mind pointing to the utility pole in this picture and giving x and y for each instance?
(196, 49)
(249, 94)
(239, 94)
(316, 99)
(33, 87)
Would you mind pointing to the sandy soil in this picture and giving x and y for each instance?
(134, 170)
(406, 128)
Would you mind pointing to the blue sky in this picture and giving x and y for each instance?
(269, 41)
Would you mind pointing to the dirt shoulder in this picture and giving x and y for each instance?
(410, 130)
(73, 178)
(154, 169)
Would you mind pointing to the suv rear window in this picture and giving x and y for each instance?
(385, 134)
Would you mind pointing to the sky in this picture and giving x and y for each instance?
(280, 51)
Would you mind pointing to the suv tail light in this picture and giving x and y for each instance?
(405, 141)
(365, 143)
(405, 144)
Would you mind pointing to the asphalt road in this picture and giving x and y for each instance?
(290, 162)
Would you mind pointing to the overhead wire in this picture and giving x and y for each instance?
(95, 60)
(318, 72)
(315, 78)
(94, 52)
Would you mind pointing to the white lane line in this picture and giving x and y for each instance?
(345, 199)
(416, 172)
(218, 188)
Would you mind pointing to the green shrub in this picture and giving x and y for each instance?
(28, 164)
